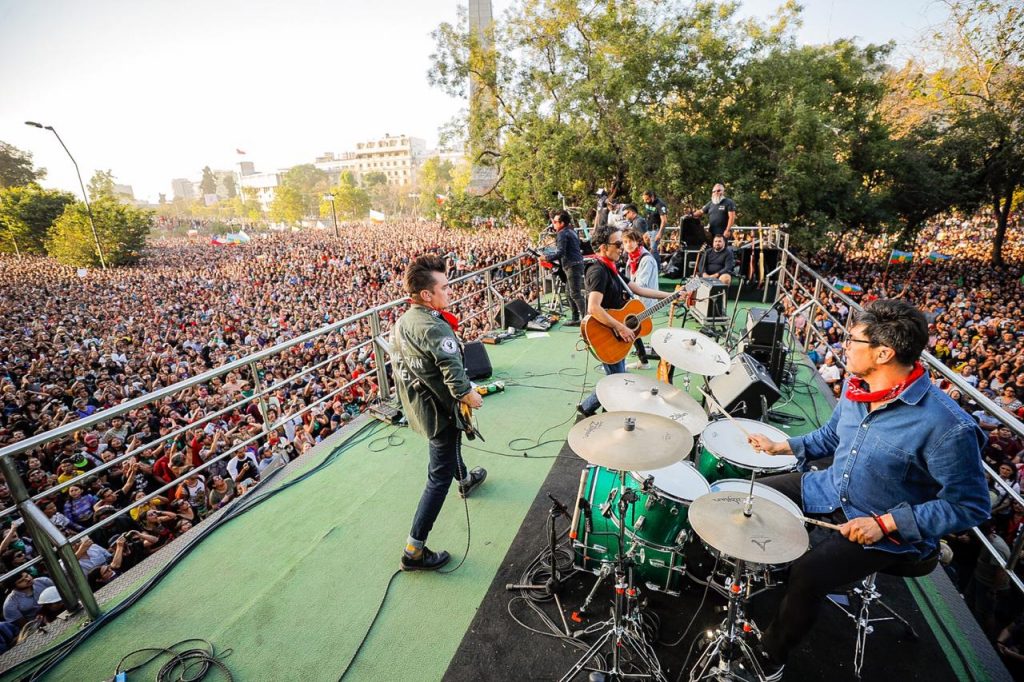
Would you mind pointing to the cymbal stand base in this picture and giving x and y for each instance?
(727, 656)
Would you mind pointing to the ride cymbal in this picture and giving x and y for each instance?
(690, 351)
(630, 441)
(643, 394)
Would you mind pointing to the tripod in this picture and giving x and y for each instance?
(625, 627)
(552, 586)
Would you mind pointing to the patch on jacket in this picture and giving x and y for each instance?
(449, 345)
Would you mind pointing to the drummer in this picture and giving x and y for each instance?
(907, 470)
(605, 289)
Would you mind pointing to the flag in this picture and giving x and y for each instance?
(898, 256)
(440, 199)
(847, 287)
(936, 257)
(239, 151)
(376, 216)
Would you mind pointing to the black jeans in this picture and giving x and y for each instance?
(445, 465)
(828, 565)
(574, 283)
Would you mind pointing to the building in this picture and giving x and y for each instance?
(182, 189)
(264, 184)
(398, 157)
(124, 193)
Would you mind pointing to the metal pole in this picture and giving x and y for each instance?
(258, 386)
(85, 196)
(77, 590)
(488, 281)
(21, 497)
(335, 214)
(380, 354)
(810, 320)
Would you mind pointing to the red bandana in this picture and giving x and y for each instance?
(634, 259)
(448, 317)
(607, 263)
(857, 392)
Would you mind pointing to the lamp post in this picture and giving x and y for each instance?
(85, 196)
(334, 212)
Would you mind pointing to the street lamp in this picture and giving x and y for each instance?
(330, 198)
(88, 208)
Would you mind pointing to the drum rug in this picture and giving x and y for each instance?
(496, 647)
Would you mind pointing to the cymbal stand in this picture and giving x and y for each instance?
(624, 628)
(727, 651)
(553, 585)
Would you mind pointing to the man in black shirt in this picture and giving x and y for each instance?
(721, 212)
(607, 290)
(719, 262)
(570, 256)
(656, 215)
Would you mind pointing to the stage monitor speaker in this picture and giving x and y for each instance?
(711, 301)
(691, 233)
(518, 314)
(764, 326)
(478, 365)
(774, 358)
(745, 390)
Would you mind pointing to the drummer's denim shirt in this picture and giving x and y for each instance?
(918, 458)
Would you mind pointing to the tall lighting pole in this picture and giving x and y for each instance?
(85, 196)
(330, 198)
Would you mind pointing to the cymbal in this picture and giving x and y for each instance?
(771, 535)
(644, 394)
(630, 441)
(690, 351)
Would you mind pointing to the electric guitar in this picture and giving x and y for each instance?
(604, 342)
(465, 421)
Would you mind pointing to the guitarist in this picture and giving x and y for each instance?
(431, 381)
(606, 289)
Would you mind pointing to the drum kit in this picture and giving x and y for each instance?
(664, 483)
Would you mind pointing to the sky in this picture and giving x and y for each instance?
(155, 90)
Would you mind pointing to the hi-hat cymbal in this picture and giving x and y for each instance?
(690, 351)
(643, 394)
(630, 441)
(770, 535)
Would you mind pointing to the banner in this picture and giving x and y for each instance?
(847, 287)
(936, 257)
(898, 256)
(376, 216)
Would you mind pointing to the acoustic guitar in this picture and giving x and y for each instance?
(604, 343)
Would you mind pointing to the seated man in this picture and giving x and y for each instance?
(719, 262)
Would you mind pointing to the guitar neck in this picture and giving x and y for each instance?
(658, 306)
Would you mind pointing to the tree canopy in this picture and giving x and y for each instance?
(121, 230)
(16, 167)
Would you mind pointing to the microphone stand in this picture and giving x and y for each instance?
(553, 585)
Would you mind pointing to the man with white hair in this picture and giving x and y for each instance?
(721, 212)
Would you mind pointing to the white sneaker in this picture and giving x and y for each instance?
(638, 365)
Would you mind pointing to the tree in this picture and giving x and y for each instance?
(230, 187)
(375, 179)
(101, 185)
(287, 206)
(16, 167)
(434, 178)
(26, 216)
(208, 185)
(310, 183)
(979, 97)
(121, 229)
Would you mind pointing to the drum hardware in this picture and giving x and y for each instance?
(553, 585)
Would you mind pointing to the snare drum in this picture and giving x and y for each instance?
(725, 453)
(656, 526)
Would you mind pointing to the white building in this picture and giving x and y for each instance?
(265, 185)
(182, 189)
(398, 157)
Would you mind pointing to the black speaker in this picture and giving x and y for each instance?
(517, 314)
(764, 326)
(478, 365)
(774, 358)
(745, 390)
(691, 233)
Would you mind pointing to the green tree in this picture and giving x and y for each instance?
(351, 201)
(208, 185)
(287, 206)
(101, 185)
(121, 230)
(375, 179)
(434, 178)
(26, 215)
(310, 183)
(230, 187)
(16, 167)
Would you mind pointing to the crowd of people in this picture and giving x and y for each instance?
(73, 344)
(975, 311)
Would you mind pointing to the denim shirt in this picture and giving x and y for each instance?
(917, 458)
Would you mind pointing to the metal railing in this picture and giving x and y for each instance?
(799, 286)
(480, 293)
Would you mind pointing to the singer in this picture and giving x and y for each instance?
(907, 470)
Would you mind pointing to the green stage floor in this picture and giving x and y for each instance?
(293, 585)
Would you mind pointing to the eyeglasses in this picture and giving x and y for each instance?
(617, 244)
(718, 191)
(847, 340)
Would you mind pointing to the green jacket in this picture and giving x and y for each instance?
(428, 368)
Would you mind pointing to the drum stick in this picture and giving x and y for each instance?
(823, 524)
(727, 415)
(576, 511)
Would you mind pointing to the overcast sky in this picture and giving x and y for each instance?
(156, 90)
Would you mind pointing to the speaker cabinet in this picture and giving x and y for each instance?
(773, 358)
(478, 364)
(745, 389)
(764, 326)
(518, 314)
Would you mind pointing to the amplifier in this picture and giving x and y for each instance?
(710, 304)
(774, 358)
(745, 389)
(764, 326)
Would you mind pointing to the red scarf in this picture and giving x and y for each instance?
(634, 259)
(607, 263)
(448, 317)
(857, 392)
